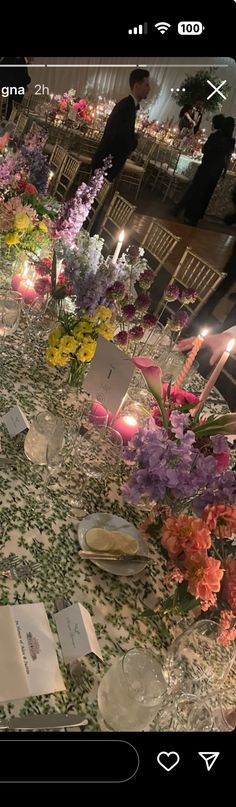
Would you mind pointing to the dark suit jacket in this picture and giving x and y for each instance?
(119, 138)
(14, 76)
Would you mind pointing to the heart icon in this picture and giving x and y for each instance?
(168, 760)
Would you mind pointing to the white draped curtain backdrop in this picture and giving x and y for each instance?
(94, 76)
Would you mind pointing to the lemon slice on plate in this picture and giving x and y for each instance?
(111, 541)
(99, 539)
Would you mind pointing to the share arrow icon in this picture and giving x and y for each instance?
(209, 757)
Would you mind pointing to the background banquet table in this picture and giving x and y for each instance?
(45, 530)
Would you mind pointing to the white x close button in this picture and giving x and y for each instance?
(216, 89)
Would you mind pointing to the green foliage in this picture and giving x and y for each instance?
(181, 600)
(195, 88)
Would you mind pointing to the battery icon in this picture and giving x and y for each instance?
(188, 28)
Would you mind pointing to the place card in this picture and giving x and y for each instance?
(76, 633)
(109, 375)
(29, 664)
(15, 421)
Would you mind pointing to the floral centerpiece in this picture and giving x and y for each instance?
(73, 342)
(68, 101)
(181, 464)
(201, 564)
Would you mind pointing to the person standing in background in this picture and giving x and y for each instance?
(119, 138)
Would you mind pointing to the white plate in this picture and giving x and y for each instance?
(109, 521)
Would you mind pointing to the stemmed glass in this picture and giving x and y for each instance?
(10, 310)
(92, 452)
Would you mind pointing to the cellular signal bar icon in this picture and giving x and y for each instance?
(139, 29)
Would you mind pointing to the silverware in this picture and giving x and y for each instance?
(19, 569)
(40, 722)
(109, 556)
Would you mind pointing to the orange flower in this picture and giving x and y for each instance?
(229, 584)
(184, 534)
(203, 574)
(227, 628)
(221, 519)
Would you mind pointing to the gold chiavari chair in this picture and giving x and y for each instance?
(20, 126)
(167, 173)
(66, 177)
(85, 150)
(97, 205)
(118, 216)
(159, 242)
(193, 272)
(56, 163)
(131, 177)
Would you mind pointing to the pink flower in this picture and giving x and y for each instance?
(136, 333)
(43, 285)
(149, 320)
(146, 278)
(180, 396)
(151, 373)
(229, 584)
(142, 302)
(122, 338)
(172, 293)
(128, 312)
(204, 575)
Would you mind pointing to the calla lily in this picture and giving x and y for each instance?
(153, 377)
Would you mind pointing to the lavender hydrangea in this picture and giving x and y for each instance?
(169, 466)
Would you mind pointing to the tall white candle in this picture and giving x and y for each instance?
(215, 374)
(118, 246)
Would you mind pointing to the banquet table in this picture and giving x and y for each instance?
(45, 530)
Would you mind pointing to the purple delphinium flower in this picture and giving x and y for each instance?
(37, 167)
(74, 212)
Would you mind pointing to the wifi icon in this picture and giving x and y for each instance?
(162, 27)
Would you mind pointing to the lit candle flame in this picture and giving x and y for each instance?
(121, 236)
(230, 345)
(204, 332)
(130, 420)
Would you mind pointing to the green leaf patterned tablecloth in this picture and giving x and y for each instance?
(45, 530)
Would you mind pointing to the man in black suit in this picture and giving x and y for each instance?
(119, 138)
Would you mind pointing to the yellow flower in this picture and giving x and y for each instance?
(43, 227)
(55, 336)
(68, 344)
(12, 238)
(81, 328)
(86, 352)
(62, 359)
(52, 356)
(22, 221)
(106, 330)
(102, 313)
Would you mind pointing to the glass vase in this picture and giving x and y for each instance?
(76, 374)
